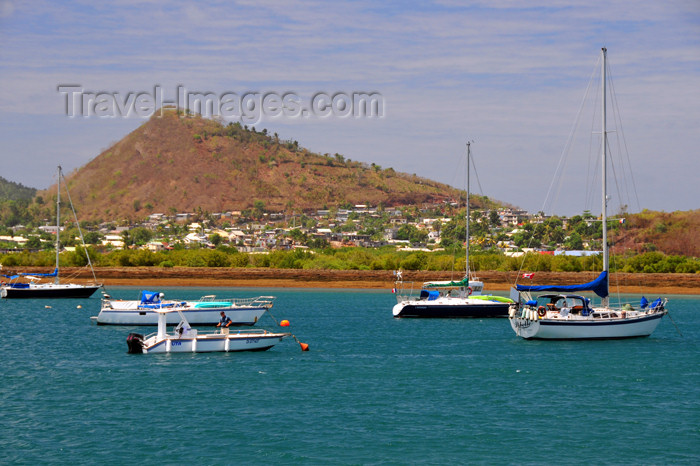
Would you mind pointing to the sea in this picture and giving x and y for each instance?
(372, 389)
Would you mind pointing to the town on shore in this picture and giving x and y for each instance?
(430, 237)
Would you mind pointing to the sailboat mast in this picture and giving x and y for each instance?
(604, 143)
(466, 245)
(58, 219)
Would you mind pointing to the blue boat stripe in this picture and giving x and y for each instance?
(595, 323)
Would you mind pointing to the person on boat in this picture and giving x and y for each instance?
(183, 329)
(225, 321)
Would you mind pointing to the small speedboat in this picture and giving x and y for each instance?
(205, 311)
(185, 339)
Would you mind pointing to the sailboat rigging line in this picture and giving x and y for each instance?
(617, 184)
(618, 122)
(615, 276)
(593, 156)
(476, 173)
(75, 217)
(470, 163)
(549, 199)
(567, 147)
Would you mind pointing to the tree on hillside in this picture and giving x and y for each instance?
(405, 231)
(454, 232)
(574, 242)
(92, 237)
(258, 209)
(215, 239)
(418, 236)
(494, 219)
(33, 242)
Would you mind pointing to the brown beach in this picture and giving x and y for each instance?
(363, 279)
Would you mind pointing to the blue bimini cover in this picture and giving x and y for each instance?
(150, 297)
(429, 295)
(52, 274)
(599, 286)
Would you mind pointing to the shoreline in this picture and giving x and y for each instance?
(362, 279)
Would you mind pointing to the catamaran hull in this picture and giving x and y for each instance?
(218, 344)
(556, 329)
(239, 316)
(411, 309)
(49, 291)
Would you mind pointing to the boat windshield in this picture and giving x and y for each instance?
(556, 302)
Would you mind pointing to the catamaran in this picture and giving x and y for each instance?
(566, 315)
(450, 299)
(16, 288)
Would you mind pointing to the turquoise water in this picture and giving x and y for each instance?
(371, 390)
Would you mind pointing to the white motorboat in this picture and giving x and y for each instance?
(449, 299)
(205, 311)
(571, 317)
(185, 339)
(15, 288)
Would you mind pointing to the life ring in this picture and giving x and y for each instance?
(469, 290)
(541, 311)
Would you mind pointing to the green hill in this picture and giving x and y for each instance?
(11, 191)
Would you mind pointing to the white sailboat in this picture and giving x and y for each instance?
(16, 288)
(450, 299)
(568, 316)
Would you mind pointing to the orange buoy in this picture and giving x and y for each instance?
(304, 346)
(284, 323)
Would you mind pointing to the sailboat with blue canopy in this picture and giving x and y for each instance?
(568, 316)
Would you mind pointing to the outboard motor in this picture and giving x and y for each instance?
(135, 343)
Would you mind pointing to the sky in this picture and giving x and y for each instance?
(508, 75)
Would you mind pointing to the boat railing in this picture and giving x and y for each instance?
(259, 301)
(165, 304)
(405, 291)
(218, 332)
(530, 312)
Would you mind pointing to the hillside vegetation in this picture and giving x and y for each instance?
(675, 233)
(11, 191)
(387, 259)
(177, 163)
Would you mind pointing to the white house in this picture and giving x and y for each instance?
(116, 241)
